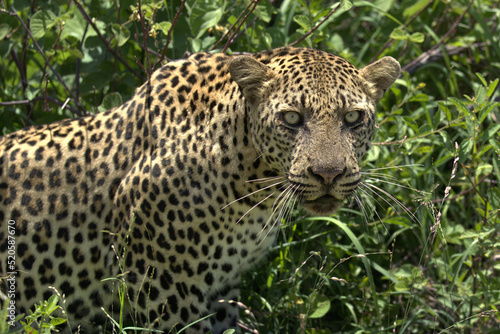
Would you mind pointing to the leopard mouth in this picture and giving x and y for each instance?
(324, 205)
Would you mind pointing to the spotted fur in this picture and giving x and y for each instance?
(141, 191)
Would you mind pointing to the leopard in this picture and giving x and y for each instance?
(150, 212)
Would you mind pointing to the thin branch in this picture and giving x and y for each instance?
(164, 50)
(106, 44)
(40, 98)
(14, 13)
(232, 27)
(20, 67)
(391, 40)
(445, 36)
(144, 38)
(315, 27)
(462, 193)
(78, 63)
(231, 39)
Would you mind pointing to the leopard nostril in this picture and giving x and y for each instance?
(326, 175)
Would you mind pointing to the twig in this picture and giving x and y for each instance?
(391, 40)
(14, 13)
(462, 193)
(230, 40)
(144, 38)
(106, 44)
(77, 66)
(39, 98)
(164, 50)
(401, 141)
(448, 33)
(315, 27)
(232, 27)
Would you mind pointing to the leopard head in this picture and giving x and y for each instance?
(311, 116)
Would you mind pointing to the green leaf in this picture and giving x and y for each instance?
(486, 109)
(76, 53)
(399, 34)
(492, 130)
(401, 127)
(471, 123)
(460, 105)
(419, 98)
(346, 4)
(111, 101)
(42, 21)
(205, 16)
(163, 26)
(417, 37)
(411, 123)
(496, 146)
(321, 307)
(446, 139)
(446, 111)
(492, 87)
(4, 30)
(303, 21)
(464, 149)
(195, 44)
(483, 80)
(481, 95)
(413, 9)
(57, 321)
(496, 162)
(373, 154)
(264, 11)
(436, 120)
(402, 285)
(122, 34)
(75, 27)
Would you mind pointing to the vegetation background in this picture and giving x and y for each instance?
(417, 249)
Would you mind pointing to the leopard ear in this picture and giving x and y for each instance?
(251, 75)
(380, 75)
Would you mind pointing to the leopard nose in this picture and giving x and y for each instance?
(326, 175)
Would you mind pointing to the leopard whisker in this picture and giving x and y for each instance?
(374, 189)
(296, 197)
(284, 195)
(256, 205)
(400, 167)
(252, 193)
(397, 183)
(258, 157)
(359, 202)
(279, 197)
(379, 175)
(372, 210)
(289, 192)
(284, 208)
(266, 179)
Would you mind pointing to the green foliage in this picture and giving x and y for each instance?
(41, 321)
(416, 251)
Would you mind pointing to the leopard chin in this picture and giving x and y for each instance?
(324, 205)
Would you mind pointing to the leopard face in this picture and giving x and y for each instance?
(158, 192)
(314, 121)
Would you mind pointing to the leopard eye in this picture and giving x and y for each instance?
(292, 118)
(352, 117)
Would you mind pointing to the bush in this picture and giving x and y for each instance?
(416, 250)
